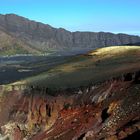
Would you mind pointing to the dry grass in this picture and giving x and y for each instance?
(98, 65)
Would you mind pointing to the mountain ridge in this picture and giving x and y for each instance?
(42, 38)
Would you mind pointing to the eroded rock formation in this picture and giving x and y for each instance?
(109, 110)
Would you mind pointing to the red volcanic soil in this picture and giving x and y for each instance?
(110, 110)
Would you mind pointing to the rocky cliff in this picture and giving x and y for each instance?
(37, 37)
(95, 112)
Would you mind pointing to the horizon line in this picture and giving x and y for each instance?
(80, 30)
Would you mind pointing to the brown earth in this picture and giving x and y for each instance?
(108, 111)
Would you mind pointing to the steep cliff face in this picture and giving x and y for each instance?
(94, 112)
(43, 37)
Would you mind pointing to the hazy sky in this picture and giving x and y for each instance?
(84, 15)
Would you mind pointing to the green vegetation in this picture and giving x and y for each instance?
(13, 50)
(92, 68)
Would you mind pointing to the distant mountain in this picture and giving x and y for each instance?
(20, 35)
(134, 44)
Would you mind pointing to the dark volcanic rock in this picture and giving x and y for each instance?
(42, 36)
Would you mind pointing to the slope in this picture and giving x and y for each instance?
(42, 37)
(10, 45)
(91, 68)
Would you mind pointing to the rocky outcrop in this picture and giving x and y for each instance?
(43, 37)
(109, 110)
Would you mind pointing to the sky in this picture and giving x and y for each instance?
(118, 16)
